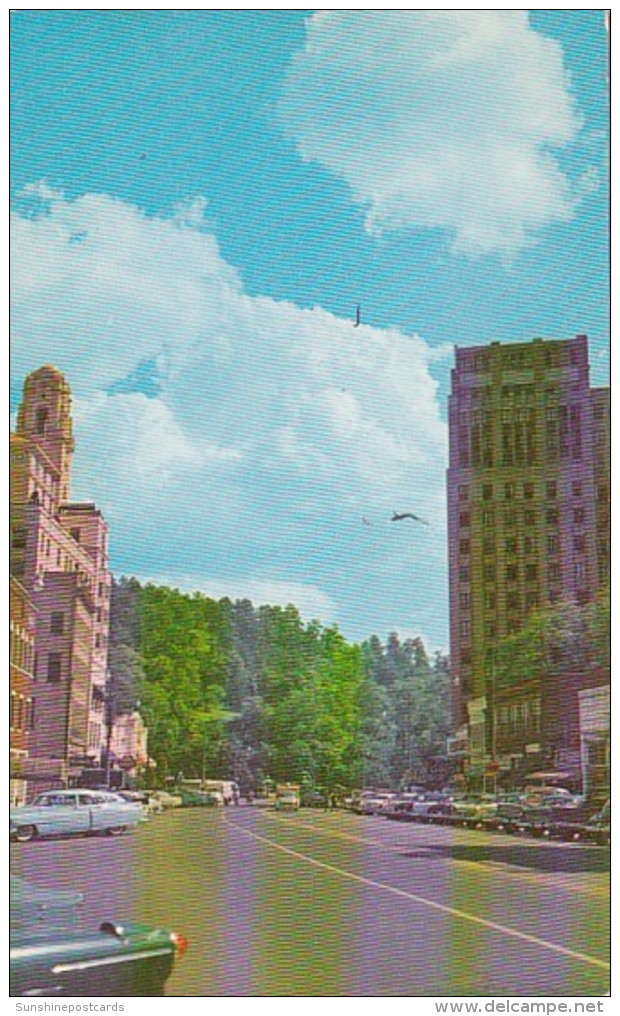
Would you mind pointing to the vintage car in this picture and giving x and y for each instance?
(71, 812)
(51, 955)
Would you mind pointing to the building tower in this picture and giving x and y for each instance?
(45, 417)
(528, 511)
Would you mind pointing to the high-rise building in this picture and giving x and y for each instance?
(59, 557)
(528, 515)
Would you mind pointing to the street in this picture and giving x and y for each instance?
(335, 904)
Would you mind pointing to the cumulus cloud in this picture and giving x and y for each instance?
(270, 432)
(437, 119)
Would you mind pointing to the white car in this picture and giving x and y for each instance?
(74, 812)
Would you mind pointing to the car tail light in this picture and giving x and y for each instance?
(180, 944)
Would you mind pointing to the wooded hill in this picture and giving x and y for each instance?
(232, 690)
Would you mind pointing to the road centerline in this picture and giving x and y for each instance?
(431, 904)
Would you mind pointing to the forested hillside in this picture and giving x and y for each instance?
(229, 689)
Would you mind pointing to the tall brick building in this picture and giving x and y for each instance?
(528, 522)
(59, 559)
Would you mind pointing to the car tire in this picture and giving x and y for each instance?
(116, 830)
(25, 833)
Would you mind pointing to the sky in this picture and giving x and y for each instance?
(200, 202)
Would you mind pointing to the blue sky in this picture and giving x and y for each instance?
(200, 201)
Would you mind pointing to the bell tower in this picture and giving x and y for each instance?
(44, 416)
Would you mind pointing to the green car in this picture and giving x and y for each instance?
(49, 956)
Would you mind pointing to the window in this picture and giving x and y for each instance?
(489, 601)
(464, 493)
(580, 571)
(600, 412)
(487, 492)
(552, 490)
(602, 493)
(464, 546)
(488, 545)
(529, 545)
(531, 573)
(579, 544)
(488, 518)
(30, 714)
(465, 628)
(554, 572)
(513, 602)
(75, 533)
(41, 419)
(511, 545)
(509, 491)
(464, 573)
(528, 491)
(553, 544)
(529, 518)
(489, 572)
(464, 601)
(54, 667)
(464, 519)
(57, 622)
(510, 518)
(512, 573)
(577, 490)
(552, 518)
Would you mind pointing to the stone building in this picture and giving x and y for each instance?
(59, 557)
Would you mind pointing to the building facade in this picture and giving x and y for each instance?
(528, 522)
(59, 557)
(22, 620)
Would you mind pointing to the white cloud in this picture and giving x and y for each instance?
(273, 429)
(437, 119)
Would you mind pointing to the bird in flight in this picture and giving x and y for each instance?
(365, 521)
(358, 316)
(399, 516)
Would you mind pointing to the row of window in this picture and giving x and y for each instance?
(528, 491)
(490, 545)
(553, 355)
(529, 518)
(512, 572)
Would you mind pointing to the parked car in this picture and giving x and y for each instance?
(51, 956)
(71, 812)
(287, 798)
(372, 803)
(166, 800)
(199, 798)
(313, 799)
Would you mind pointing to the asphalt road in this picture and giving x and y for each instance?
(335, 904)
